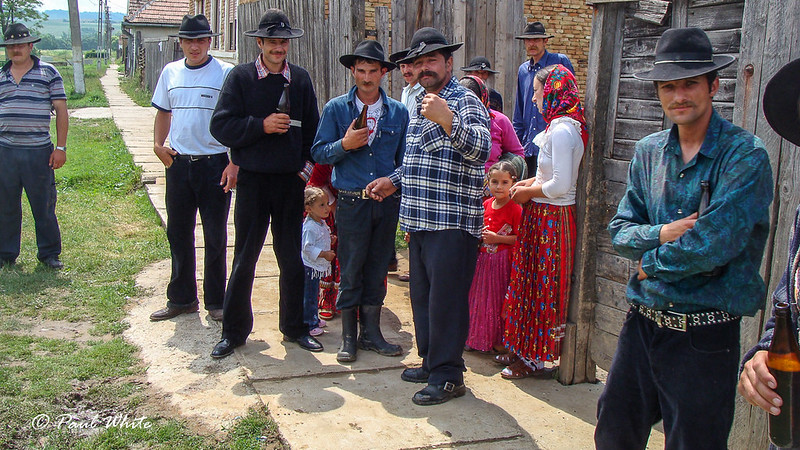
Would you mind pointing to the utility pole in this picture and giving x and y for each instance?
(108, 33)
(99, 32)
(77, 51)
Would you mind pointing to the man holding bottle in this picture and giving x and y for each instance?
(273, 152)
(756, 383)
(678, 350)
(362, 135)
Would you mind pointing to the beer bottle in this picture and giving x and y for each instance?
(284, 106)
(783, 361)
(361, 122)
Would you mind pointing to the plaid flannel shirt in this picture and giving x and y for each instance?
(442, 176)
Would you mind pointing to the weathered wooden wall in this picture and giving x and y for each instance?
(157, 54)
(486, 27)
(764, 35)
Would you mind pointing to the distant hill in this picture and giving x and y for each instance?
(61, 14)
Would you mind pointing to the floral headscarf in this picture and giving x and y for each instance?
(561, 98)
(483, 93)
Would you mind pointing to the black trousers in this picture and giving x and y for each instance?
(442, 265)
(193, 185)
(262, 199)
(687, 379)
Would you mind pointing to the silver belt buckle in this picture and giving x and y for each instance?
(681, 317)
(194, 158)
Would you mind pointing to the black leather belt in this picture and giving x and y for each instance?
(362, 194)
(680, 321)
(194, 158)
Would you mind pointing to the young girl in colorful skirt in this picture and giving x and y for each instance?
(501, 219)
(535, 308)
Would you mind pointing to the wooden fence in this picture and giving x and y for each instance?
(486, 27)
(157, 54)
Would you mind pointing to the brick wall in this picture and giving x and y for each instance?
(570, 21)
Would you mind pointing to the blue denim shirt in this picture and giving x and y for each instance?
(353, 170)
(731, 233)
(527, 120)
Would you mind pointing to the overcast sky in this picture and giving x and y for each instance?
(87, 5)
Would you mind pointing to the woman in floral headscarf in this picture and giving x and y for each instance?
(535, 307)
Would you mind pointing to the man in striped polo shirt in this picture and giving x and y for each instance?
(29, 90)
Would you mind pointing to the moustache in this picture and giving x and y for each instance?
(681, 105)
(427, 73)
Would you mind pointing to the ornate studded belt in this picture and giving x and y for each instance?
(680, 321)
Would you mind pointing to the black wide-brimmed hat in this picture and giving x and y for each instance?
(397, 56)
(684, 53)
(427, 40)
(782, 102)
(479, 63)
(534, 30)
(17, 33)
(367, 49)
(275, 24)
(194, 27)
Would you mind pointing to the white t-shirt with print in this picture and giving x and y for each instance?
(373, 114)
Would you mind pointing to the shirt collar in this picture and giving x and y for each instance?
(543, 59)
(7, 66)
(262, 71)
(709, 149)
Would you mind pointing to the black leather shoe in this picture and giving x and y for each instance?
(223, 348)
(415, 375)
(53, 262)
(306, 342)
(215, 315)
(172, 311)
(435, 395)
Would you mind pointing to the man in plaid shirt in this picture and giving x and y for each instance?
(447, 146)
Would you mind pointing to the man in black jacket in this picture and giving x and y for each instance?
(273, 152)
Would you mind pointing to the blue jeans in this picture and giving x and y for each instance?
(366, 230)
(442, 265)
(192, 186)
(687, 379)
(311, 299)
(29, 169)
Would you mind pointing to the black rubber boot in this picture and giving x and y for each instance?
(370, 337)
(347, 352)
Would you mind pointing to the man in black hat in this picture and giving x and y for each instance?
(482, 68)
(446, 148)
(200, 175)
(273, 152)
(528, 120)
(695, 220)
(365, 227)
(782, 110)
(29, 89)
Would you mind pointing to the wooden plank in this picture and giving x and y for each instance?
(566, 362)
(628, 108)
(490, 23)
(623, 149)
(652, 11)
(680, 13)
(717, 17)
(480, 29)
(636, 129)
(459, 32)
(608, 319)
(615, 170)
(632, 88)
(613, 267)
(509, 52)
(382, 28)
(696, 3)
(398, 42)
(614, 192)
(637, 28)
(603, 346)
(604, 239)
(612, 293)
(470, 20)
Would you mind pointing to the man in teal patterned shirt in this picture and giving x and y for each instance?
(698, 271)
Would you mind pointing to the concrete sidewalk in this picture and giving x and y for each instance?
(317, 402)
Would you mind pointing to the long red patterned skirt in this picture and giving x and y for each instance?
(535, 307)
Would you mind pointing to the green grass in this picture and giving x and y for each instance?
(110, 232)
(94, 95)
(133, 87)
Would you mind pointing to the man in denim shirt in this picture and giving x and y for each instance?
(698, 271)
(366, 227)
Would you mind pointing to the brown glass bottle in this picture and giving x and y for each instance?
(284, 105)
(783, 361)
(361, 121)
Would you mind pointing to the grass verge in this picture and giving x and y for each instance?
(110, 232)
(133, 87)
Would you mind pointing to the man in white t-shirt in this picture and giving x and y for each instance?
(200, 175)
(411, 76)
(365, 227)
